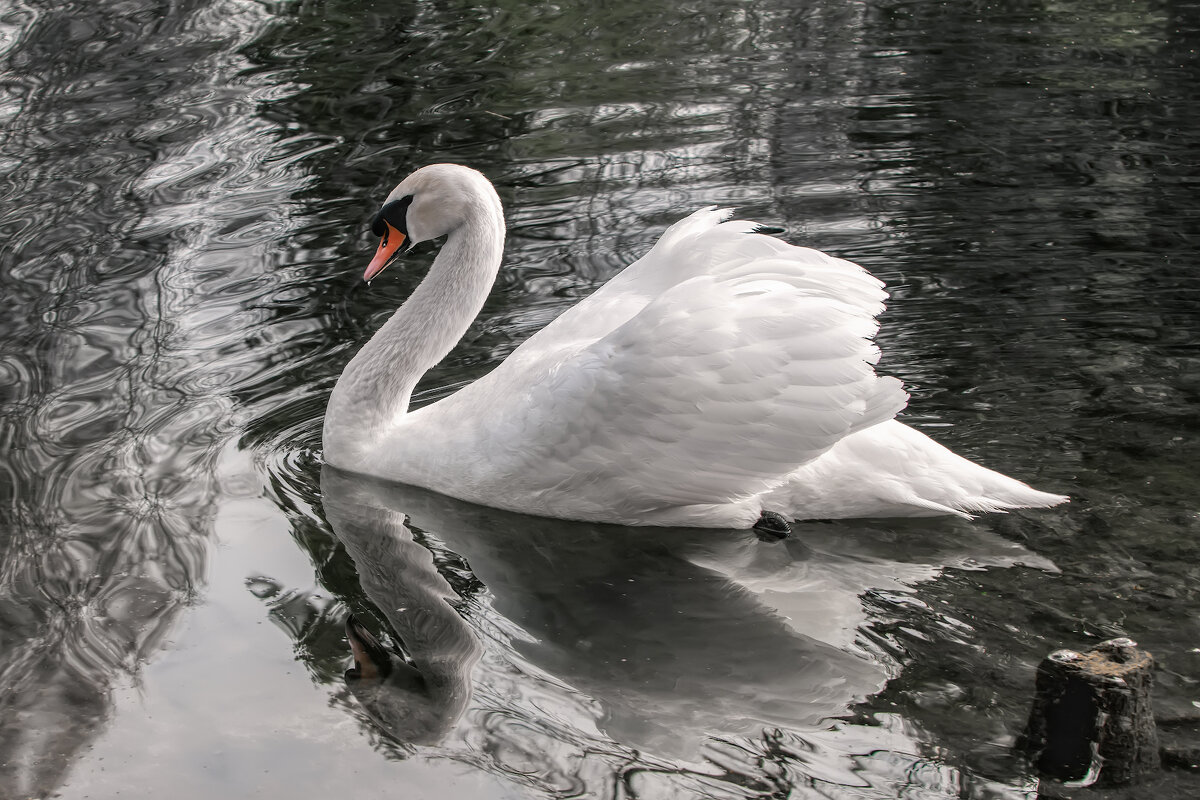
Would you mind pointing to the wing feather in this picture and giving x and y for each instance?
(703, 374)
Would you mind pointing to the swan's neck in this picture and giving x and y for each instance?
(373, 392)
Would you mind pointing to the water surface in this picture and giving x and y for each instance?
(186, 189)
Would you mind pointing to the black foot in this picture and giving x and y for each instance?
(773, 526)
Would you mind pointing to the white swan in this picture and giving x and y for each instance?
(723, 375)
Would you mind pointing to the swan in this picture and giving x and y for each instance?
(725, 379)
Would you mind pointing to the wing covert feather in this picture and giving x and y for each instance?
(707, 395)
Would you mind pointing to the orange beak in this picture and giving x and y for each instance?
(388, 246)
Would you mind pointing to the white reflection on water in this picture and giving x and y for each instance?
(636, 652)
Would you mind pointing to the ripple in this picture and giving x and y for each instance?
(185, 219)
(117, 419)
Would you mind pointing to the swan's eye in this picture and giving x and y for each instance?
(395, 213)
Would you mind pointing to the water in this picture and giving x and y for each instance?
(187, 188)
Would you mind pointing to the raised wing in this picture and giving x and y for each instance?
(713, 392)
(725, 359)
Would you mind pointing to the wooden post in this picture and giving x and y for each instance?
(1091, 720)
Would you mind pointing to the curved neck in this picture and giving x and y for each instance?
(373, 391)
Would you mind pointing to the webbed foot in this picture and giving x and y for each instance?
(773, 526)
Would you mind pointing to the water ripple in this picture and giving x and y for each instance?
(114, 410)
(186, 195)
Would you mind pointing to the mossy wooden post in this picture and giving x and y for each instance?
(1092, 720)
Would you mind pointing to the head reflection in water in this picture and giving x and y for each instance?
(396, 695)
(372, 661)
(416, 698)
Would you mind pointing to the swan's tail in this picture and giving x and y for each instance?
(891, 470)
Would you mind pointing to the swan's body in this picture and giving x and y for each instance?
(724, 374)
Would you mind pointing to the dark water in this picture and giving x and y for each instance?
(186, 187)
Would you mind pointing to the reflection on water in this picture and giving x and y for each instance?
(185, 188)
(415, 699)
(124, 332)
(686, 644)
(624, 616)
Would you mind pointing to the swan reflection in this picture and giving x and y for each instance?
(676, 635)
(417, 699)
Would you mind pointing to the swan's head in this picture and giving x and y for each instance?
(432, 202)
